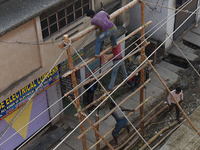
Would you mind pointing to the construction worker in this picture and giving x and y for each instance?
(101, 19)
(117, 55)
(178, 94)
(121, 121)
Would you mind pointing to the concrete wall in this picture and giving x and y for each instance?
(159, 13)
(23, 63)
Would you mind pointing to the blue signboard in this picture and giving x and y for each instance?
(19, 98)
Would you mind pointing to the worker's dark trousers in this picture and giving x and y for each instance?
(171, 107)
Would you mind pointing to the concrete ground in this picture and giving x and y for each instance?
(155, 89)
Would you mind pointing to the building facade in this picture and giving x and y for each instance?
(30, 32)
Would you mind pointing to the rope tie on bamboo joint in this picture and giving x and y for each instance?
(67, 45)
(79, 109)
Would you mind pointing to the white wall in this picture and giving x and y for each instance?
(159, 13)
(54, 94)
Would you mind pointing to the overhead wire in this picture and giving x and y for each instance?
(174, 42)
(109, 95)
(157, 5)
(30, 98)
(132, 72)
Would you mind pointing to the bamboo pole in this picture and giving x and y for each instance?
(173, 97)
(142, 71)
(108, 114)
(97, 132)
(99, 75)
(99, 99)
(94, 102)
(167, 135)
(93, 27)
(73, 77)
(158, 134)
(97, 128)
(96, 135)
(126, 116)
(130, 145)
(108, 49)
(143, 119)
(118, 148)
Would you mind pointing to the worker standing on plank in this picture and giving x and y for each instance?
(101, 19)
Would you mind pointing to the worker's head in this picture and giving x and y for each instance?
(178, 90)
(112, 105)
(90, 13)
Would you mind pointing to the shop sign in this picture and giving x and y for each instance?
(19, 98)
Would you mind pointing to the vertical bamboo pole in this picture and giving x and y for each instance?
(73, 77)
(96, 135)
(142, 71)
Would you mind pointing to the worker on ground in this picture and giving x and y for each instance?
(90, 93)
(178, 95)
(101, 19)
(117, 57)
(121, 121)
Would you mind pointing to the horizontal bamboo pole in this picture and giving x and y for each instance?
(161, 110)
(173, 97)
(108, 49)
(158, 134)
(126, 116)
(93, 27)
(107, 115)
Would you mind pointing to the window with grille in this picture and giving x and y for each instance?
(57, 18)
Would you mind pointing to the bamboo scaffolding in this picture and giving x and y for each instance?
(97, 132)
(142, 119)
(126, 116)
(167, 135)
(142, 71)
(93, 27)
(173, 97)
(108, 49)
(158, 134)
(135, 133)
(108, 114)
(94, 128)
(73, 77)
(88, 81)
(100, 98)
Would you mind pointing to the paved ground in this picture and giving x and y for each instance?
(155, 89)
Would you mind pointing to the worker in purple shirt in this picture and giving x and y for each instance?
(101, 19)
